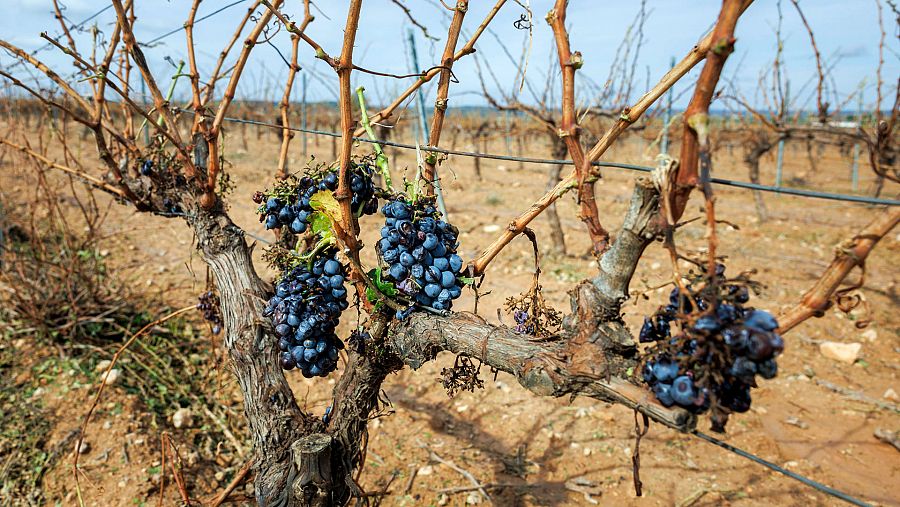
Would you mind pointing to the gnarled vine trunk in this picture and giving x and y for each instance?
(274, 419)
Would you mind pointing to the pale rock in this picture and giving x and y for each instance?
(426, 470)
(655, 265)
(443, 499)
(491, 228)
(844, 352)
(462, 408)
(102, 365)
(891, 395)
(473, 498)
(37, 393)
(870, 335)
(112, 377)
(107, 425)
(183, 418)
(220, 476)
(84, 448)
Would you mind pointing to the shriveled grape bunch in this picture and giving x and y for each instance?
(419, 251)
(712, 363)
(305, 309)
(209, 304)
(288, 205)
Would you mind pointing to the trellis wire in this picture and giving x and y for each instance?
(814, 194)
(211, 14)
(76, 26)
(772, 466)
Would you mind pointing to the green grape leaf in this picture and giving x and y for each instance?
(466, 280)
(386, 288)
(319, 223)
(325, 202)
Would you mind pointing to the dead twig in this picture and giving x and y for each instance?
(235, 482)
(858, 396)
(465, 473)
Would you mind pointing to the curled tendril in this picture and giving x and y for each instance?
(523, 23)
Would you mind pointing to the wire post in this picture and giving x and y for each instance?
(779, 163)
(303, 115)
(423, 123)
(667, 117)
(854, 170)
(508, 150)
(144, 103)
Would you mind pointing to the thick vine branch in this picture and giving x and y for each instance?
(696, 116)
(208, 199)
(286, 133)
(569, 130)
(349, 226)
(159, 101)
(215, 75)
(440, 104)
(539, 366)
(848, 255)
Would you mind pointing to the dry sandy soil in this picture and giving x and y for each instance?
(541, 451)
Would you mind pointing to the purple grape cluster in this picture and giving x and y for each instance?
(522, 326)
(420, 251)
(713, 362)
(294, 210)
(209, 305)
(305, 309)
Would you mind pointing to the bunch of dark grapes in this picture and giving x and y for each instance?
(712, 364)
(305, 309)
(420, 251)
(522, 325)
(292, 209)
(209, 305)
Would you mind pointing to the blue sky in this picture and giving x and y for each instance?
(845, 29)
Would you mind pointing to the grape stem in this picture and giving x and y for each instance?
(321, 245)
(381, 160)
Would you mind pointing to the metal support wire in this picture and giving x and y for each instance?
(615, 165)
(211, 14)
(772, 466)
